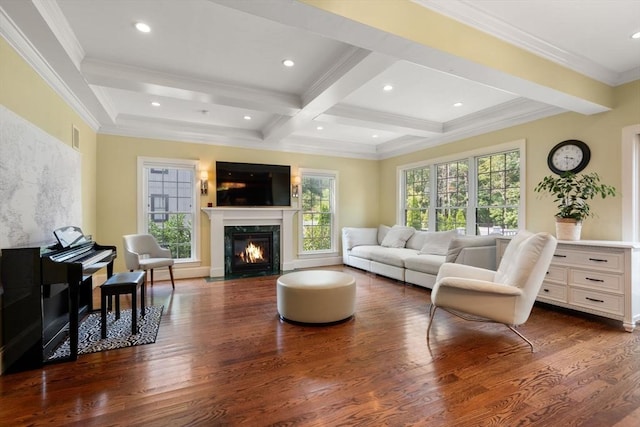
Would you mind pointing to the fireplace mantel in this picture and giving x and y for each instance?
(224, 216)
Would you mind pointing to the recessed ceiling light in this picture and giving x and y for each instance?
(142, 27)
(635, 35)
(387, 88)
(374, 136)
(458, 104)
(155, 103)
(247, 117)
(319, 128)
(288, 63)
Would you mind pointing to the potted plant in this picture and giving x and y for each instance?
(571, 194)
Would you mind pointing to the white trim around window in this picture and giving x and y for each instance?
(142, 226)
(324, 257)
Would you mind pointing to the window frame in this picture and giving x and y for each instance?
(322, 173)
(143, 194)
(470, 157)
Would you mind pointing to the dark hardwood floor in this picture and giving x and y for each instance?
(223, 357)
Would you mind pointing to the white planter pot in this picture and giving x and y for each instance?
(568, 229)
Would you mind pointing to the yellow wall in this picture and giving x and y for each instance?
(25, 93)
(117, 175)
(602, 132)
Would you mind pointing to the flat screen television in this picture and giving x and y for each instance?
(252, 184)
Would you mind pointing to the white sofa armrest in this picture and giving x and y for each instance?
(357, 236)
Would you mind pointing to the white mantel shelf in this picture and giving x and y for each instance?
(238, 216)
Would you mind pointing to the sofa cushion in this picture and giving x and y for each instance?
(416, 241)
(460, 242)
(437, 243)
(397, 236)
(354, 236)
(424, 263)
(390, 256)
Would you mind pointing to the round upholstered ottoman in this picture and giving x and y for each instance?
(316, 296)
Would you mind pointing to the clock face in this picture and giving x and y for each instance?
(569, 156)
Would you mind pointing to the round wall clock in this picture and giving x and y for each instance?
(569, 156)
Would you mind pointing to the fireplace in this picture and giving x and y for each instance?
(251, 250)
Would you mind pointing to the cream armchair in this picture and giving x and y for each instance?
(142, 252)
(504, 296)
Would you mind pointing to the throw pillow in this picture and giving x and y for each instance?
(460, 242)
(397, 236)
(437, 243)
(382, 232)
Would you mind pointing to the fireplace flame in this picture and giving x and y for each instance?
(252, 253)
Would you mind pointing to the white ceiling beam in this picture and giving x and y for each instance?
(120, 76)
(302, 16)
(358, 116)
(354, 69)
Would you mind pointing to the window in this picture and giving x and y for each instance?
(168, 205)
(478, 193)
(318, 211)
(498, 194)
(452, 183)
(418, 198)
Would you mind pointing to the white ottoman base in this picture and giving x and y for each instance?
(316, 296)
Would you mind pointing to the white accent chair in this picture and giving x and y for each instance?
(505, 296)
(142, 252)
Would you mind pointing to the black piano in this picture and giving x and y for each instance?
(47, 291)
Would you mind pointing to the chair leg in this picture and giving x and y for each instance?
(173, 285)
(432, 312)
(521, 336)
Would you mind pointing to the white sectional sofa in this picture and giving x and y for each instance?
(402, 253)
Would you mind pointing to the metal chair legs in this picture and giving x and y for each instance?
(432, 312)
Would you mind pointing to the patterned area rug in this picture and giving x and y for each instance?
(118, 332)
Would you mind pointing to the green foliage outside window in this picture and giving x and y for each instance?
(173, 234)
(497, 194)
(316, 213)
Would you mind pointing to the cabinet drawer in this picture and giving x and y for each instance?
(610, 261)
(556, 274)
(596, 281)
(598, 301)
(553, 292)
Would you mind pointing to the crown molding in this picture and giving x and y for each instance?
(629, 76)
(167, 130)
(17, 39)
(461, 131)
(466, 13)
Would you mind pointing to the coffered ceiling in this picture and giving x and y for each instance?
(216, 69)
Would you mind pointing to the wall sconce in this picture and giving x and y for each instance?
(204, 183)
(295, 187)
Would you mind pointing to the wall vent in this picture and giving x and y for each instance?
(75, 137)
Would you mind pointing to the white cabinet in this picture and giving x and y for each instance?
(593, 276)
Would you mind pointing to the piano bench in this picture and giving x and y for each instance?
(119, 284)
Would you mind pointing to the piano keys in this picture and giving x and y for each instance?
(47, 290)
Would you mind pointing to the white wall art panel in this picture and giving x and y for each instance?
(40, 183)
